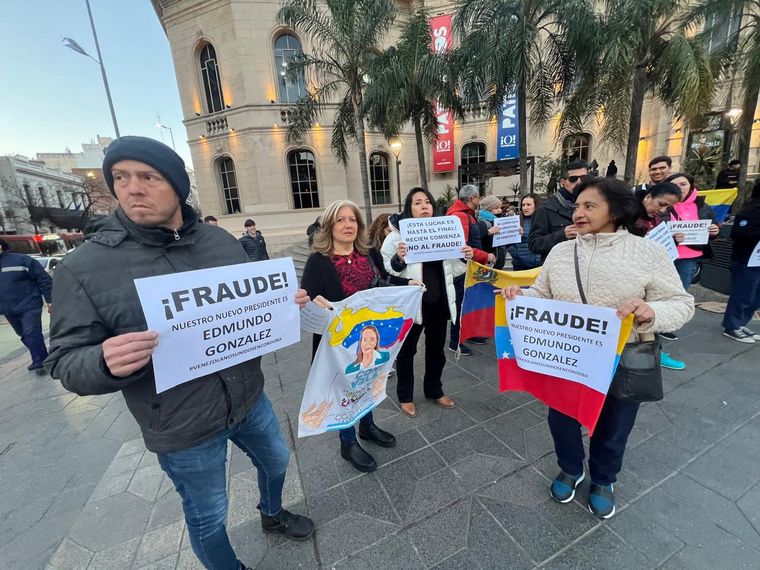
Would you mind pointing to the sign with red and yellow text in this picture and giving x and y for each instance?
(443, 148)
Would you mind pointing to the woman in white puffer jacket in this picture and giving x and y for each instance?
(438, 305)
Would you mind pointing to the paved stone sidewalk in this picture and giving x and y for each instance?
(465, 488)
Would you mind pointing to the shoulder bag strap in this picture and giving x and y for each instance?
(578, 275)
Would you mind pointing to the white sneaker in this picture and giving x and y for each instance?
(751, 333)
(739, 336)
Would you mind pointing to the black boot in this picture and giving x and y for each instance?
(380, 437)
(295, 527)
(356, 456)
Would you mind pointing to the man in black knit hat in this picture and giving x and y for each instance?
(99, 344)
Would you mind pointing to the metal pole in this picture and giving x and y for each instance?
(398, 182)
(103, 70)
(171, 133)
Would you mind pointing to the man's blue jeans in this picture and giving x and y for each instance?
(200, 476)
(745, 296)
(28, 326)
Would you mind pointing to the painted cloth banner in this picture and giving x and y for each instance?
(443, 148)
(507, 135)
(358, 347)
(568, 353)
(477, 316)
(432, 239)
(210, 319)
(720, 200)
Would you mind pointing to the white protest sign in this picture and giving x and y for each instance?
(509, 230)
(568, 340)
(696, 232)
(754, 259)
(350, 369)
(210, 319)
(661, 235)
(432, 239)
(314, 319)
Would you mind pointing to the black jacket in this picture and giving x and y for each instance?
(23, 283)
(255, 247)
(321, 278)
(94, 298)
(549, 223)
(522, 256)
(746, 231)
(727, 178)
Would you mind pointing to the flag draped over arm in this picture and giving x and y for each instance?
(477, 316)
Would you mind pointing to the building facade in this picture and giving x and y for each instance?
(35, 198)
(230, 59)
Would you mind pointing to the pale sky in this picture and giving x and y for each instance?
(52, 98)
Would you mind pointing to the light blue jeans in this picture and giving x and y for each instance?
(200, 476)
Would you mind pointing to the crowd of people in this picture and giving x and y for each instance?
(587, 237)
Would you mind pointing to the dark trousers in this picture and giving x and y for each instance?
(459, 288)
(434, 317)
(745, 296)
(348, 435)
(28, 325)
(607, 445)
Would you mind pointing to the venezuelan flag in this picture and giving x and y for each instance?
(574, 399)
(477, 318)
(720, 201)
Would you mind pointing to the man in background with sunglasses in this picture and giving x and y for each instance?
(553, 220)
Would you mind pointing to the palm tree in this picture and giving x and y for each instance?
(345, 35)
(643, 46)
(533, 48)
(739, 55)
(405, 81)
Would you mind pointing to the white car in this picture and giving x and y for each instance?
(49, 263)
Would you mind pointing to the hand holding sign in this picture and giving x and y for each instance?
(695, 232)
(127, 353)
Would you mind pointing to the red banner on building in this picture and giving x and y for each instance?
(443, 149)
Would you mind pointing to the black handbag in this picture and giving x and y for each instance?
(638, 377)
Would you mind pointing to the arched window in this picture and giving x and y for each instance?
(473, 153)
(577, 147)
(229, 185)
(212, 84)
(303, 179)
(289, 89)
(379, 178)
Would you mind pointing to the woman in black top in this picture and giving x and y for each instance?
(339, 267)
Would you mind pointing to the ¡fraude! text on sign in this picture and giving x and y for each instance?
(210, 319)
(696, 232)
(568, 340)
(432, 239)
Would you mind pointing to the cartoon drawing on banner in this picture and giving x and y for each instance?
(350, 369)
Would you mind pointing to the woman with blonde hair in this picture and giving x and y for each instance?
(340, 266)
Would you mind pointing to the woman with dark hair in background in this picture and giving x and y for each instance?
(619, 270)
(438, 304)
(745, 281)
(655, 203)
(522, 256)
(340, 266)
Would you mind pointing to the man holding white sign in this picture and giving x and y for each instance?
(100, 343)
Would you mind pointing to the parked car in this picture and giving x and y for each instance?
(48, 263)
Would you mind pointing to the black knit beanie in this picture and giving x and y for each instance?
(153, 153)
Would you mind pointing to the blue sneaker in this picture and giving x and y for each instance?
(601, 501)
(564, 486)
(667, 361)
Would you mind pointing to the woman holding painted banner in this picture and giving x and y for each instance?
(617, 269)
(655, 204)
(438, 305)
(340, 266)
